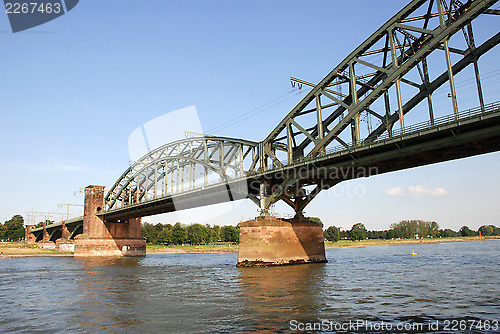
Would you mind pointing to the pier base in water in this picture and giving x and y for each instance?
(102, 238)
(109, 247)
(269, 241)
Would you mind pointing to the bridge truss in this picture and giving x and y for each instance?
(182, 166)
(390, 76)
(424, 46)
(397, 54)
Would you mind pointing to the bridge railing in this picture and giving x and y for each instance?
(440, 121)
(408, 130)
(340, 149)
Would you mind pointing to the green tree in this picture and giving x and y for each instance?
(157, 230)
(377, 235)
(315, 220)
(216, 234)
(405, 229)
(230, 233)
(14, 228)
(465, 231)
(396, 231)
(197, 234)
(448, 233)
(2, 231)
(358, 232)
(427, 229)
(149, 232)
(391, 234)
(165, 235)
(344, 235)
(179, 234)
(332, 234)
(488, 230)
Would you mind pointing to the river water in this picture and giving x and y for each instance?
(454, 286)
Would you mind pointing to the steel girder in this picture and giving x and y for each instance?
(381, 63)
(182, 165)
(469, 57)
(401, 44)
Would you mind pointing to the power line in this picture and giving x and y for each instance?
(68, 205)
(253, 112)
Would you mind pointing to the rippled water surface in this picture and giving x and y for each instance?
(447, 284)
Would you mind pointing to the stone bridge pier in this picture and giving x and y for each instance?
(29, 237)
(102, 238)
(270, 241)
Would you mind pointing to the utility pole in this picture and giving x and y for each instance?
(79, 191)
(67, 206)
(46, 215)
(31, 217)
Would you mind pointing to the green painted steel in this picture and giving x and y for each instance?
(205, 170)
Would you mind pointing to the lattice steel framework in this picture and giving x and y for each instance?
(395, 54)
(399, 52)
(181, 166)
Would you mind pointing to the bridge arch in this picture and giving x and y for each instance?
(393, 72)
(182, 165)
(77, 230)
(56, 234)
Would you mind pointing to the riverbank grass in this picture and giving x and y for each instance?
(21, 249)
(12, 249)
(175, 249)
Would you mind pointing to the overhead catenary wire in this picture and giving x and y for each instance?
(279, 100)
(255, 111)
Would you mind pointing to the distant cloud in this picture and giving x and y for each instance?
(416, 191)
(419, 190)
(396, 191)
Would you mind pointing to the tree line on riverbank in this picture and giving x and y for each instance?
(407, 229)
(13, 229)
(195, 234)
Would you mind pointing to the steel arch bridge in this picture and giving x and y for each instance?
(372, 75)
(392, 74)
(175, 167)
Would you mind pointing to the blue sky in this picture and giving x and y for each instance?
(74, 89)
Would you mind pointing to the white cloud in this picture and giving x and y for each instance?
(419, 191)
(416, 191)
(396, 191)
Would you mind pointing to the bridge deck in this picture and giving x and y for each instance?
(473, 132)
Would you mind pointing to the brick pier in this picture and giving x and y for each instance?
(269, 241)
(102, 238)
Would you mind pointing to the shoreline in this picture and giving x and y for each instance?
(10, 256)
(14, 250)
(188, 249)
(385, 242)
